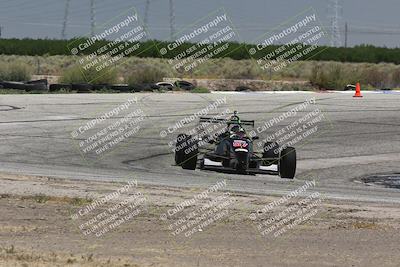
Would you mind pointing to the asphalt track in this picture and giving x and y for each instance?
(356, 138)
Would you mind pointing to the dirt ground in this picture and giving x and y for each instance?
(41, 225)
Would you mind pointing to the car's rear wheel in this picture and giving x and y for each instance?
(287, 163)
(242, 162)
(201, 166)
(186, 151)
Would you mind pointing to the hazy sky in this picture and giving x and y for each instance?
(370, 21)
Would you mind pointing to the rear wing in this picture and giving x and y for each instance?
(227, 121)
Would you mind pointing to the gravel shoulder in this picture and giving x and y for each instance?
(37, 228)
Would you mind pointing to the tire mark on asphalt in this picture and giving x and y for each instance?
(8, 108)
(324, 163)
(147, 157)
(368, 123)
(360, 133)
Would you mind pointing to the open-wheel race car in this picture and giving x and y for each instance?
(231, 150)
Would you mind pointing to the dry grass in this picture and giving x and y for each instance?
(41, 198)
(74, 74)
(144, 73)
(331, 75)
(10, 256)
(15, 71)
(365, 225)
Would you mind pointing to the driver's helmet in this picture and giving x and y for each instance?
(237, 130)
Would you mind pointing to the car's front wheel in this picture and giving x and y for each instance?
(186, 151)
(287, 163)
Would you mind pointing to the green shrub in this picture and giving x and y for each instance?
(73, 75)
(76, 74)
(337, 78)
(376, 78)
(237, 51)
(15, 72)
(145, 74)
(200, 90)
(318, 76)
(246, 70)
(334, 76)
(3, 72)
(396, 78)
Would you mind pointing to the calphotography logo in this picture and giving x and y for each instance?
(297, 39)
(104, 133)
(193, 118)
(189, 134)
(199, 212)
(296, 126)
(111, 211)
(107, 47)
(287, 212)
(200, 133)
(209, 37)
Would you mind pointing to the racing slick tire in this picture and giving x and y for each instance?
(13, 85)
(100, 86)
(35, 87)
(201, 166)
(287, 163)
(186, 151)
(271, 150)
(57, 87)
(179, 153)
(82, 87)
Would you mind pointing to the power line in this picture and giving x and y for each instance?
(27, 5)
(64, 27)
(146, 15)
(172, 18)
(30, 15)
(335, 17)
(92, 18)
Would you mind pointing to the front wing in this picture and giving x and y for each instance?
(217, 166)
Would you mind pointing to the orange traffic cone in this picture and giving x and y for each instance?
(358, 91)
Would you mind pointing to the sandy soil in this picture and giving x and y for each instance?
(40, 226)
